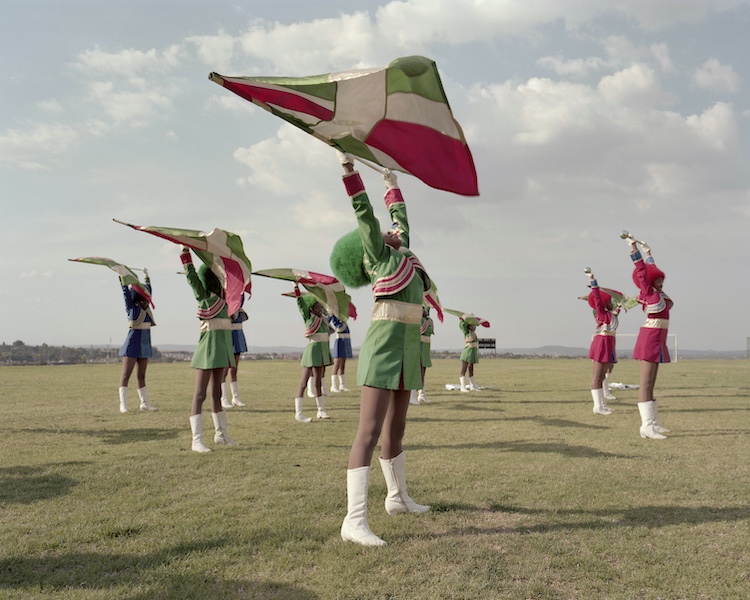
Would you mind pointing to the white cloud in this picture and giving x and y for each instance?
(51, 106)
(216, 50)
(635, 86)
(714, 76)
(127, 63)
(135, 107)
(577, 67)
(660, 52)
(315, 47)
(231, 102)
(717, 127)
(269, 160)
(38, 146)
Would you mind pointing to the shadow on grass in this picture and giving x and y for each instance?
(559, 423)
(104, 571)
(24, 485)
(115, 436)
(560, 448)
(143, 434)
(642, 516)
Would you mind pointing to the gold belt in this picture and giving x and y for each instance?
(605, 332)
(216, 324)
(656, 324)
(425, 339)
(318, 337)
(395, 310)
(139, 325)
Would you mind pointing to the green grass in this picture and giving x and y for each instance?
(533, 495)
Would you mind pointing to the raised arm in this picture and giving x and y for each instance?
(199, 291)
(596, 298)
(369, 227)
(394, 201)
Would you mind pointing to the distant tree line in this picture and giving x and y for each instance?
(19, 353)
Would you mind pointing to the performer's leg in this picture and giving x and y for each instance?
(306, 373)
(202, 379)
(647, 380)
(142, 393)
(373, 407)
(128, 364)
(215, 384)
(393, 461)
(599, 371)
(652, 382)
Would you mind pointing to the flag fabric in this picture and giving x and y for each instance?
(431, 300)
(326, 288)
(221, 251)
(470, 318)
(127, 276)
(618, 299)
(396, 116)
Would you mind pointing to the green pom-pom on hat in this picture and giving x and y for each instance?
(347, 260)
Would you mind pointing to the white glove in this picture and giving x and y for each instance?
(145, 271)
(627, 236)
(391, 181)
(345, 158)
(589, 273)
(646, 248)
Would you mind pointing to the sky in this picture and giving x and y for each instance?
(584, 118)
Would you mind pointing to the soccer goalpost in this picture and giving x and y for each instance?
(673, 344)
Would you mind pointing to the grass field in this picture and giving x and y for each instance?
(533, 495)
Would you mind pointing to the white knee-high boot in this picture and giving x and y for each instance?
(342, 384)
(413, 397)
(196, 426)
(224, 398)
(462, 381)
(422, 397)
(335, 383)
(648, 421)
(322, 414)
(605, 386)
(144, 400)
(600, 408)
(298, 411)
(235, 385)
(220, 426)
(355, 527)
(123, 391)
(473, 384)
(398, 501)
(657, 425)
(311, 387)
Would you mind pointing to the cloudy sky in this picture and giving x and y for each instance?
(585, 117)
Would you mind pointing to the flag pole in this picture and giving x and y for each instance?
(371, 165)
(123, 223)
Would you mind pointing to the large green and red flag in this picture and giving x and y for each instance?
(470, 318)
(326, 288)
(220, 250)
(396, 116)
(127, 276)
(618, 299)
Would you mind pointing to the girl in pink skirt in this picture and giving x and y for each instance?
(651, 345)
